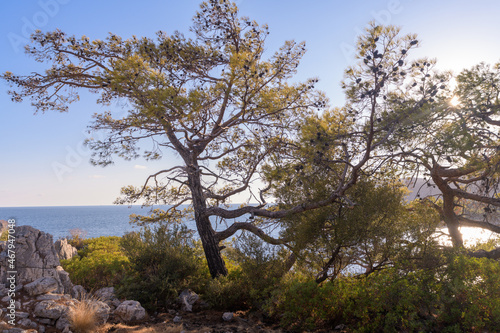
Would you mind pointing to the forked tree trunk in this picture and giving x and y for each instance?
(216, 264)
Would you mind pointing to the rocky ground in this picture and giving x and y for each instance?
(203, 321)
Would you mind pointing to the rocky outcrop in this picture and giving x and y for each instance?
(64, 249)
(36, 257)
(44, 294)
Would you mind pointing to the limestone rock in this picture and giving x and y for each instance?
(187, 299)
(78, 292)
(49, 296)
(130, 311)
(19, 330)
(107, 295)
(102, 313)
(3, 290)
(27, 323)
(22, 315)
(63, 323)
(36, 257)
(227, 316)
(64, 249)
(65, 280)
(50, 309)
(42, 285)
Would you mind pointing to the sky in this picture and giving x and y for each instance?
(43, 160)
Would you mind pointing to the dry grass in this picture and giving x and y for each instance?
(83, 317)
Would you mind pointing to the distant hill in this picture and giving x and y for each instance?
(422, 188)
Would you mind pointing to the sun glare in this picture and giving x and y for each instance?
(471, 236)
(455, 101)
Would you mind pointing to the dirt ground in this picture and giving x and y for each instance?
(203, 321)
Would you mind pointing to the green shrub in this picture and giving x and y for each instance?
(100, 263)
(470, 290)
(254, 271)
(164, 261)
(381, 302)
(461, 296)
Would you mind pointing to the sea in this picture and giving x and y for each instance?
(93, 221)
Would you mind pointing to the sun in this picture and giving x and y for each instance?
(455, 101)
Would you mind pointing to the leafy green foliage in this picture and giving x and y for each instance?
(100, 263)
(461, 296)
(255, 269)
(374, 230)
(164, 260)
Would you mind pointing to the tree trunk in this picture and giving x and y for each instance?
(215, 262)
(211, 247)
(448, 212)
(451, 220)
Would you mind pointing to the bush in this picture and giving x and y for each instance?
(462, 296)
(101, 263)
(164, 260)
(254, 270)
(469, 295)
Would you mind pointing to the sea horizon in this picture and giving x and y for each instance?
(94, 220)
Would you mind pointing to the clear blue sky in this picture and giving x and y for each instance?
(43, 162)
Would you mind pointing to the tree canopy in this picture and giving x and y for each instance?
(241, 124)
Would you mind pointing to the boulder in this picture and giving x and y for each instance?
(227, 316)
(41, 286)
(78, 292)
(107, 295)
(50, 309)
(102, 313)
(64, 249)
(36, 257)
(130, 311)
(187, 299)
